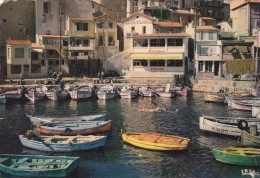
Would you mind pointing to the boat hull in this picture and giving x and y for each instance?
(54, 96)
(81, 130)
(80, 95)
(69, 147)
(250, 140)
(155, 141)
(23, 167)
(214, 98)
(106, 96)
(166, 94)
(237, 159)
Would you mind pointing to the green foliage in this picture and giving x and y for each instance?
(163, 14)
(230, 22)
(240, 66)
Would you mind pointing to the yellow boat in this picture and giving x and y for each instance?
(214, 97)
(154, 141)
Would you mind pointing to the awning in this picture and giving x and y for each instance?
(157, 56)
(37, 50)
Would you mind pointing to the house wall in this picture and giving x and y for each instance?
(240, 20)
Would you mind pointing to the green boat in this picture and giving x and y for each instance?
(238, 156)
(37, 165)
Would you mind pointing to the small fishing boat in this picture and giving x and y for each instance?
(154, 141)
(107, 92)
(237, 96)
(62, 143)
(214, 97)
(166, 92)
(73, 127)
(250, 140)
(238, 156)
(127, 92)
(98, 117)
(35, 94)
(55, 94)
(10, 96)
(244, 105)
(37, 165)
(226, 125)
(81, 92)
(158, 109)
(146, 91)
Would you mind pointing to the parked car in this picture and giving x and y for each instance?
(111, 73)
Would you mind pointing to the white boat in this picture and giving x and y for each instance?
(56, 94)
(146, 91)
(81, 92)
(226, 125)
(127, 92)
(107, 92)
(245, 105)
(9, 96)
(166, 92)
(35, 94)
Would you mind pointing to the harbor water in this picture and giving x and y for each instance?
(118, 159)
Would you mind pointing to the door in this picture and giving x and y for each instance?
(216, 68)
(26, 73)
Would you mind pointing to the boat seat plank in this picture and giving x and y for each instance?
(68, 140)
(3, 160)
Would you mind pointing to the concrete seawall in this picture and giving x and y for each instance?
(216, 85)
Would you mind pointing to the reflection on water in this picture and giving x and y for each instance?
(118, 159)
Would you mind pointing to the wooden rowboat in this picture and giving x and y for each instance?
(154, 141)
(73, 128)
(238, 156)
(62, 143)
(250, 140)
(37, 165)
(214, 97)
(158, 109)
(98, 117)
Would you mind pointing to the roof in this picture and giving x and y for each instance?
(206, 28)
(163, 35)
(18, 42)
(168, 24)
(81, 19)
(98, 4)
(244, 3)
(207, 18)
(185, 12)
(237, 43)
(106, 16)
(36, 45)
(140, 14)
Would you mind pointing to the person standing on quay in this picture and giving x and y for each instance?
(21, 78)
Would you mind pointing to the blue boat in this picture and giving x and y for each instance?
(37, 165)
(62, 143)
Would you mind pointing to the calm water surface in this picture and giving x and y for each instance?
(118, 159)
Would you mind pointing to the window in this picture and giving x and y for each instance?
(174, 42)
(144, 29)
(154, 63)
(4, 20)
(175, 63)
(48, 32)
(138, 62)
(208, 66)
(210, 35)
(110, 25)
(132, 29)
(171, 30)
(85, 43)
(110, 41)
(16, 69)
(200, 66)
(62, 8)
(81, 26)
(44, 18)
(19, 52)
(157, 42)
(156, 30)
(179, 18)
(45, 7)
(189, 18)
(201, 34)
(9, 52)
(20, 21)
(203, 51)
(101, 41)
(100, 24)
(140, 42)
(26, 68)
(93, 6)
